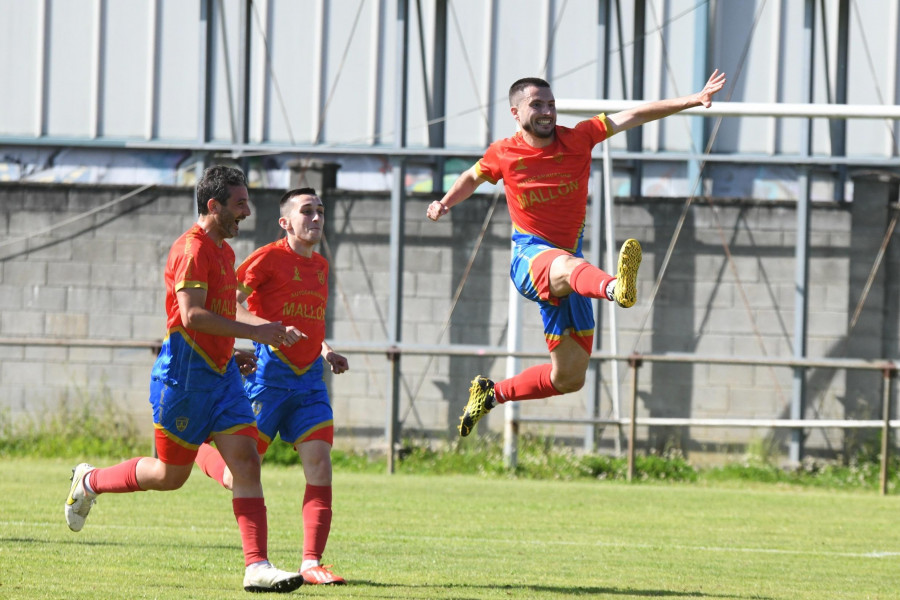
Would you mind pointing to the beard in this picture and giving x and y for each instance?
(530, 128)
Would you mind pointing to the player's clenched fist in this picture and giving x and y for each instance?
(436, 210)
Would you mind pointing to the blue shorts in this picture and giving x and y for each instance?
(187, 419)
(571, 315)
(298, 414)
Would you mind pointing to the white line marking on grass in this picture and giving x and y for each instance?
(518, 542)
(878, 554)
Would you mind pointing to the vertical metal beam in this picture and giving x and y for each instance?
(701, 68)
(611, 258)
(609, 221)
(775, 68)
(40, 59)
(204, 101)
(398, 197)
(244, 58)
(320, 58)
(636, 136)
(226, 63)
(839, 126)
(635, 364)
(593, 375)
(376, 52)
(801, 261)
(511, 410)
(888, 375)
(261, 73)
(594, 372)
(153, 35)
(547, 42)
(890, 146)
(96, 82)
(490, 42)
(437, 125)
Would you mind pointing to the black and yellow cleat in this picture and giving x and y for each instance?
(481, 401)
(626, 274)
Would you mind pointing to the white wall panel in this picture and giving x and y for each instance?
(125, 63)
(224, 61)
(290, 105)
(179, 71)
(69, 93)
(21, 41)
(348, 92)
(467, 60)
(873, 48)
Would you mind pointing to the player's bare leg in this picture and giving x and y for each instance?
(570, 363)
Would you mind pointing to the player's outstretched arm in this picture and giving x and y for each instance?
(651, 111)
(464, 186)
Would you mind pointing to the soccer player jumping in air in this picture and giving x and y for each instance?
(545, 169)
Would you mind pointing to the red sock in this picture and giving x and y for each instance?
(211, 462)
(589, 281)
(316, 520)
(117, 479)
(530, 384)
(251, 519)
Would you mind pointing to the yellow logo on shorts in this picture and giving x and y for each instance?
(181, 423)
(256, 405)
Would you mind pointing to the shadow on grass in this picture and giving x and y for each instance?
(567, 591)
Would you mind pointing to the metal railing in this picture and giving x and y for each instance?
(888, 368)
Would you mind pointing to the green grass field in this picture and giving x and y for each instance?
(461, 537)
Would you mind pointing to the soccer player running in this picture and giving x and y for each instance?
(195, 386)
(287, 280)
(545, 169)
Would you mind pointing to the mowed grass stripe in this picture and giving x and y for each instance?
(457, 537)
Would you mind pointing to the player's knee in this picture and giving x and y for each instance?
(244, 467)
(318, 472)
(172, 480)
(566, 383)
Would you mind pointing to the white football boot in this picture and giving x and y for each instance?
(266, 578)
(80, 501)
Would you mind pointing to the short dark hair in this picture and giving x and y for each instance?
(523, 83)
(215, 183)
(307, 191)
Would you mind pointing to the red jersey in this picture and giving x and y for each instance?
(283, 286)
(189, 358)
(547, 188)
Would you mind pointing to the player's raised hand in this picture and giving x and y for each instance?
(715, 84)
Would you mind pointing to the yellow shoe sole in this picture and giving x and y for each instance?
(626, 273)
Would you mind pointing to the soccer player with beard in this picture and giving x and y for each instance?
(288, 281)
(545, 169)
(196, 389)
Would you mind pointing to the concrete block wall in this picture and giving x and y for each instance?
(73, 270)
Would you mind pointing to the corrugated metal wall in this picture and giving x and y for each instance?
(301, 74)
